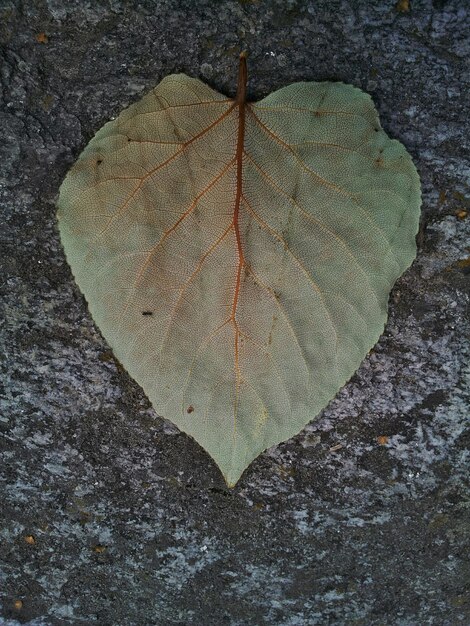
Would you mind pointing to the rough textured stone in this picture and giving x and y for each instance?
(110, 516)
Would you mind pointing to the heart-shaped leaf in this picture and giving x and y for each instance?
(238, 257)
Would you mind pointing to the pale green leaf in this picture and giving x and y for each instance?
(238, 258)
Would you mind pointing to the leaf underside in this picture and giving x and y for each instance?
(241, 284)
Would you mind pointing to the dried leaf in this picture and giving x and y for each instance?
(238, 257)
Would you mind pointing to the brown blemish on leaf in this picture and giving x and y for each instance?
(461, 214)
(18, 604)
(190, 409)
(29, 539)
(382, 440)
(273, 326)
(42, 38)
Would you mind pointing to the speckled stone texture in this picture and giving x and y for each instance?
(109, 515)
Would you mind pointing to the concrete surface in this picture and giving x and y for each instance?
(109, 515)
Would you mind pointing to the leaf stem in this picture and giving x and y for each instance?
(242, 78)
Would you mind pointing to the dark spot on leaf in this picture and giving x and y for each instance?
(99, 161)
(147, 312)
(190, 409)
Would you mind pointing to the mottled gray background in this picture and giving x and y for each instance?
(110, 515)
